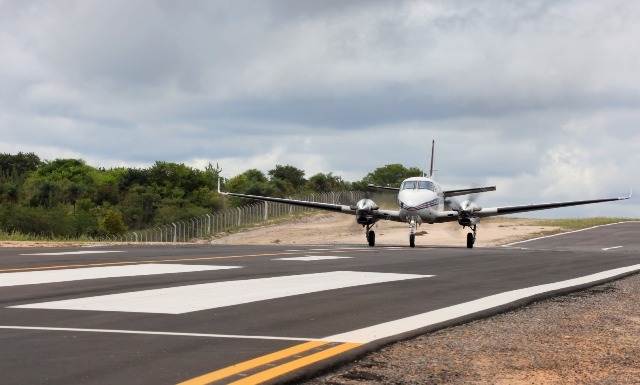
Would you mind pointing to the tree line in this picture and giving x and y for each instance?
(69, 198)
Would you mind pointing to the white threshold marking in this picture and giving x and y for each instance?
(311, 258)
(185, 299)
(78, 252)
(67, 275)
(143, 332)
(419, 321)
(611, 248)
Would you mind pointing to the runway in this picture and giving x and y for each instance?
(240, 314)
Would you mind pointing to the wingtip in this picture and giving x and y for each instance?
(220, 192)
(628, 196)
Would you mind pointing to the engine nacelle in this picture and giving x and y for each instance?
(468, 221)
(466, 213)
(366, 211)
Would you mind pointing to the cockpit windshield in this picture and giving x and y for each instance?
(422, 185)
(409, 185)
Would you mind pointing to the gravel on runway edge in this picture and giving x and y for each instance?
(587, 337)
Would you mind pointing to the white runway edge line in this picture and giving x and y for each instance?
(185, 299)
(568, 232)
(77, 252)
(310, 258)
(419, 321)
(68, 275)
(144, 332)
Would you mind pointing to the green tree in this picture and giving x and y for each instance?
(22, 163)
(326, 183)
(60, 181)
(289, 176)
(391, 175)
(112, 223)
(252, 182)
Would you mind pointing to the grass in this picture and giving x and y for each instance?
(22, 237)
(564, 224)
(579, 223)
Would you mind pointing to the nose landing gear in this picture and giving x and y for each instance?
(371, 235)
(471, 237)
(412, 235)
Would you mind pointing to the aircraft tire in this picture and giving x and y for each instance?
(470, 241)
(371, 238)
(412, 240)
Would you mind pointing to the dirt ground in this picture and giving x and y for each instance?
(339, 229)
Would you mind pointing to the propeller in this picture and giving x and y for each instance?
(466, 209)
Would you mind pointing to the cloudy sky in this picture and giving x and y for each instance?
(540, 98)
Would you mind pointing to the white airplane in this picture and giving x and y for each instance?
(422, 200)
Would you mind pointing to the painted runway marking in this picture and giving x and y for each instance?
(122, 263)
(311, 258)
(611, 248)
(185, 299)
(423, 320)
(67, 275)
(143, 332)
(568, 232)
(78, 252)
(274, 364)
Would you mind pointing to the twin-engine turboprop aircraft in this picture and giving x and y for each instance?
(422, 200)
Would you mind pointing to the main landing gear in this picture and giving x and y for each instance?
(471, 237)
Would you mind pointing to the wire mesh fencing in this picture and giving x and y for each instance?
(208, 225)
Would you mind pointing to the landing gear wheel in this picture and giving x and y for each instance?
(470, 240)
(412, 240)
(371, 237)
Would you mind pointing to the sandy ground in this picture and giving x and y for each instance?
(339, 229)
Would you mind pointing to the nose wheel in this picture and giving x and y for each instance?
(371, 236)
(471, 238)
(412, 235)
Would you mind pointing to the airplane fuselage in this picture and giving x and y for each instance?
(420, 198)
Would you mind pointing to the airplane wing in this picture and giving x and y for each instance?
(371, 185)
(392, 215)
(453, 193)
(493, 211)
(449, 216)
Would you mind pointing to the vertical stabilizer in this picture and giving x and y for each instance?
(433, 145)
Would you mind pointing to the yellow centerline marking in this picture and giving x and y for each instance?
(173, 260)
(274, 372)
(294, 365)
(247, 365)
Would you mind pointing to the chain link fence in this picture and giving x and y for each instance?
(208, 225)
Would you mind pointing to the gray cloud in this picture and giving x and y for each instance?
(540, 97)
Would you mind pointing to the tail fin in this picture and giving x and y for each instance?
(433, 145)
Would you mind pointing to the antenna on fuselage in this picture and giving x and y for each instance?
(433, 145)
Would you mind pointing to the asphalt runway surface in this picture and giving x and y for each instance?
(246, 315)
